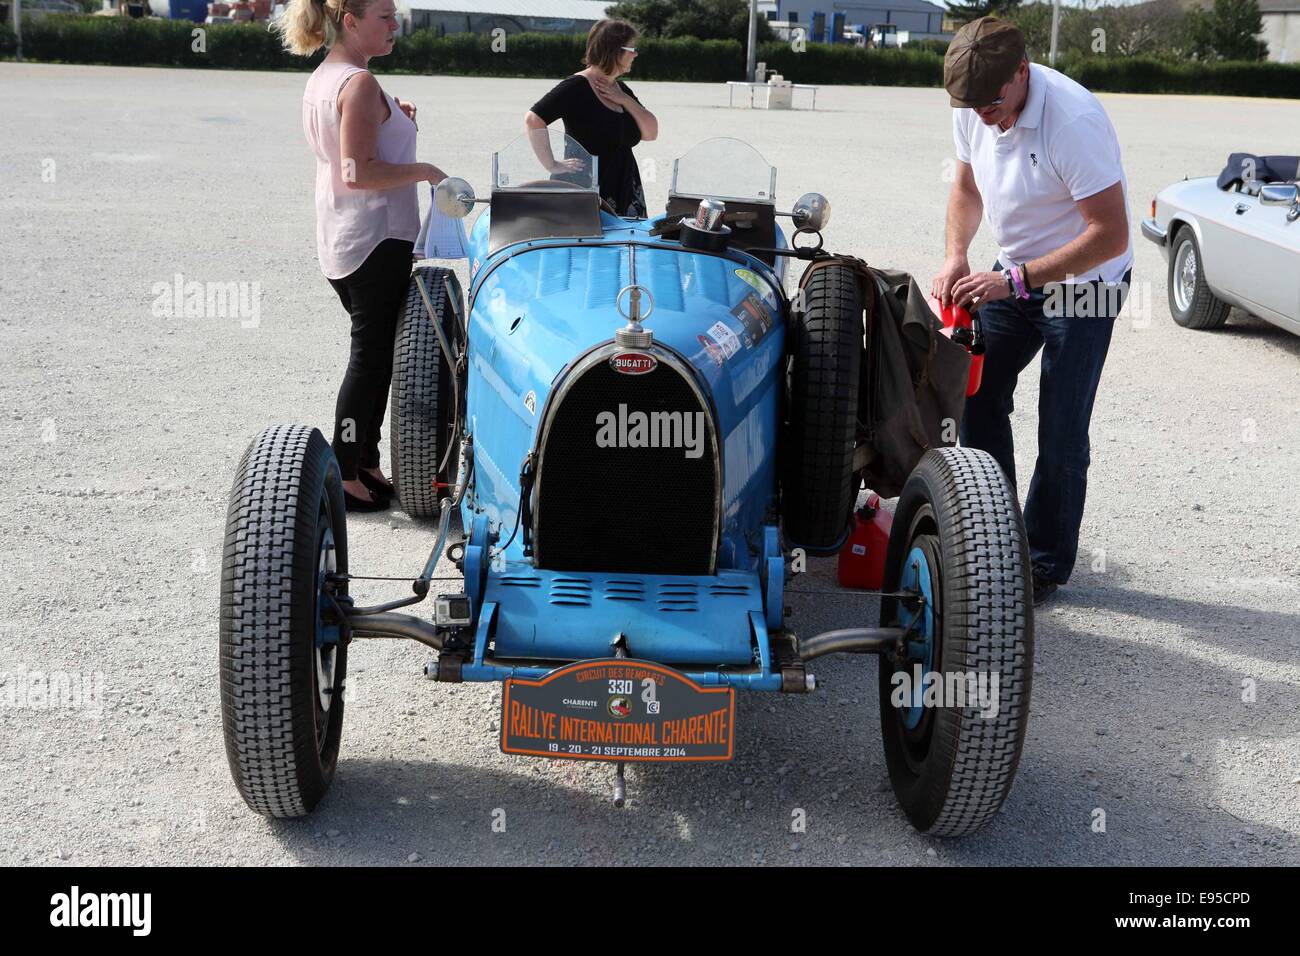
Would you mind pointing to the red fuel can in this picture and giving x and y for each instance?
(976, 373)
(862, 559)
(954, 318)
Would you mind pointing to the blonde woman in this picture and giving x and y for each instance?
(367, 212)
(603, 115)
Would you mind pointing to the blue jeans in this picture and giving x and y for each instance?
(1074, 335)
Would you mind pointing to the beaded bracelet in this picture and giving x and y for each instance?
(1018, 283)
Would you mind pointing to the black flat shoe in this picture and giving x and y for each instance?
(1044, 588)
(354, 503)
(380, 489)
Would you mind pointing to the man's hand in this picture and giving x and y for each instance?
(407, 108)
(980, 288)
(954, 269)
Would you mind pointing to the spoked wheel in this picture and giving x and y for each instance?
(1191, 302)
(329, 653)
(283, 663)
(958, 549)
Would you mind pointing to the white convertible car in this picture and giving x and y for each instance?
(1233, 240)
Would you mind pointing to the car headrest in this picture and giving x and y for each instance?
(1246, 167)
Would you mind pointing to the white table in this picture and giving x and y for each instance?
(732, 84)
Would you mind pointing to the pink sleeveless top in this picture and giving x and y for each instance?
(351, 222)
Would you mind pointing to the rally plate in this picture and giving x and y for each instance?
(617, 709)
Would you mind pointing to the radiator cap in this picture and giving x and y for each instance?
(632, 335)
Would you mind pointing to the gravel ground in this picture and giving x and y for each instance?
(125, 425)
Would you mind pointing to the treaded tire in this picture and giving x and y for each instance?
(825, 347)
(282, 748)
(1204, 310)
(421, 415)
(952, 773)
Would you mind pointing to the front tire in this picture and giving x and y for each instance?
(957, 538)
(283, 666)
(1191, 302)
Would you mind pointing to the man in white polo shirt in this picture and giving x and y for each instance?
(1038, 157)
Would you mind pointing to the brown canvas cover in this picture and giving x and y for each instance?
(913, 388)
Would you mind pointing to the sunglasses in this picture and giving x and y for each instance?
(1001, 99)
(628, 49)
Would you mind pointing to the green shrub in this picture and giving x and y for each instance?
(930, 46)
(822, 63)
(687, 60)
(525, 54)
(248, 46)
(1144, 74)
(549, 55)
(126, 42)
(118, 41)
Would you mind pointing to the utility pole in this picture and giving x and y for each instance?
(752, 56)
(18, 31)
(1056, 22)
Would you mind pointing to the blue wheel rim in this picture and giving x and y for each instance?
(326, 632)
(920, 647)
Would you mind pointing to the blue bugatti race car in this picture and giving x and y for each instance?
(630, 439)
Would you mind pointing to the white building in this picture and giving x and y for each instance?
(1281, 29)
(919, 17)
(513, 16)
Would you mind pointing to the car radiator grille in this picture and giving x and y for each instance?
(625, 509)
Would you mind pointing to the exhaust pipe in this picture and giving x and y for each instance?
(853, 640)
(400, 626)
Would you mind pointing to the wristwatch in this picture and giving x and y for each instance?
(1016, 282)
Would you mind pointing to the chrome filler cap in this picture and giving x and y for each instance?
(632, 335)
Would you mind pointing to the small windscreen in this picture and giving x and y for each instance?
(545, 158)
(724, 168)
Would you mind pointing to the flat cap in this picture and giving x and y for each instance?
(980, 60)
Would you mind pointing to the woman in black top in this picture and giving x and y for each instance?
(603, 114)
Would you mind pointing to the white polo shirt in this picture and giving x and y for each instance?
(1062, 149)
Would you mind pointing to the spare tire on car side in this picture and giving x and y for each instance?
(824, 342)
(421, 412)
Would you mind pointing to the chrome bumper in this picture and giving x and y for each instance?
(1154, 232)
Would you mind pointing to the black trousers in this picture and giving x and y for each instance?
(374, 296)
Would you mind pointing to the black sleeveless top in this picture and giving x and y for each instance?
(603, 133)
